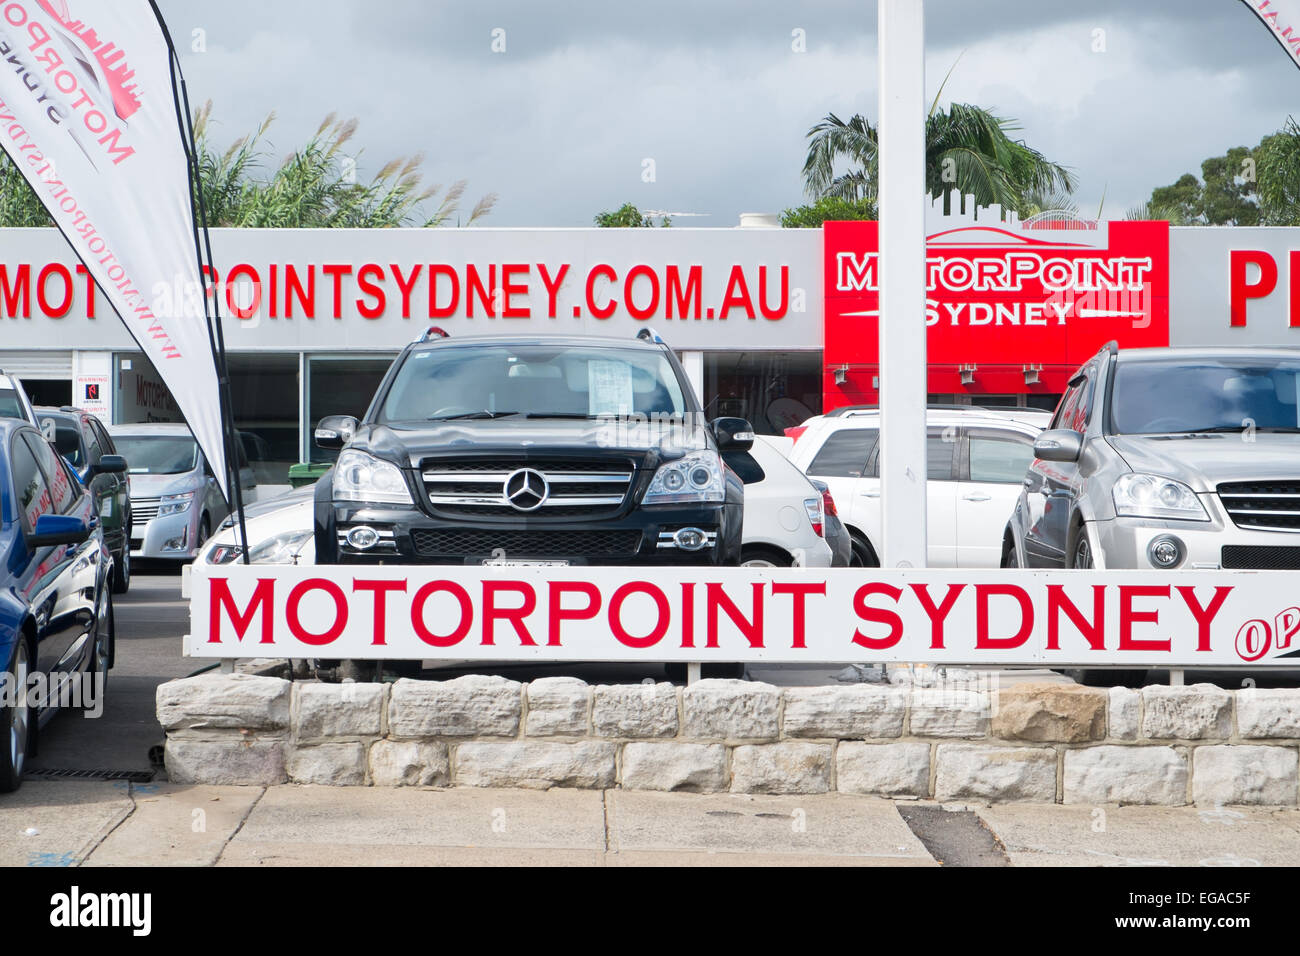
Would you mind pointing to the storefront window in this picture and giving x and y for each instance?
(339, 385)
(773, 390)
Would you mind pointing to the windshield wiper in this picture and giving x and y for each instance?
(482, 413)
(1216, 429)
(558, 415)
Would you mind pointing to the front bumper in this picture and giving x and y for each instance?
(643, 536)
(152, 540)
(1124, 542)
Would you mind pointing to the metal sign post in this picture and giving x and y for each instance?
(901, 40)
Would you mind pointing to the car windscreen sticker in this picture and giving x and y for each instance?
(609, 387)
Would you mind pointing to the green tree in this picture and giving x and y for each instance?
(828, 208)
(1277, 173)
(314, 187)
(1225, 195)
(628, 216)
(967, 148)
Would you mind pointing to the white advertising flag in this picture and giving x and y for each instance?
(1282, 17)
(88, 113)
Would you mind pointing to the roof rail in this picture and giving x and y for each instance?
(433, 332)
(937, 406)
(645, 335)
(1112, 347)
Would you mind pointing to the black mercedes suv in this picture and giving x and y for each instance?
(531, 450)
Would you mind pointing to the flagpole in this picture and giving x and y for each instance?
(216, 337)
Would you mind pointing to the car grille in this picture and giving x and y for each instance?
(577, 487)
(1260, 557)
(144, 509)
(1266, 505)
(483, 542)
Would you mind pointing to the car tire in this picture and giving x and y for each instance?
(1009, 558)
(17, 722)
(101, 654)
(862, 554)
(122, 568)
(1081, 553)
(205, 532)
(760, 556)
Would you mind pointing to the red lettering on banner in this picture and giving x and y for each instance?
(937, 614)
(688, 614)
(422, 631)
(798, 594)
(600, 311)
(1128, 617)
(443, 311)
(1094, 631)
(560, 613)
(875, 615)
(293, 289)
(65, 306)
(243, 269)
(336, 271)
(366, 282)
(686, 298)
(1204, 615)
(219, 598)
(784, 303)
(1239, 289)
(331, 633)
(660, 628)
(474, 287)
(1293, 258)
(90, 290)
(652, 306)
(509, 289)
(737, 294)
(381, 589)
(983, 641)
(405, 285)
(16, 297)
(751, 628)
(552, 287)
(515, 615)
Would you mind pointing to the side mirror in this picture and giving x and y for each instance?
(109, 465)
(1058, 444)
(732, 434)
(335, 431)
(52, 530)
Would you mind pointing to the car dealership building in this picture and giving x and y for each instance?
(772, 324)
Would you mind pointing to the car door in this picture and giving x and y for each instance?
(114, 504)
(1051, 486)
(941, 446)
(994, 462)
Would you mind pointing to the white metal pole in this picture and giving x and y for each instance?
(901, 39)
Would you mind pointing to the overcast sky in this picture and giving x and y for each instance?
(560, 122)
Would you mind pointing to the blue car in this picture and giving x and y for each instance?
(56, 603)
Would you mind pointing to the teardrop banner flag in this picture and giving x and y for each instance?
(1282, 17)
(90, 116)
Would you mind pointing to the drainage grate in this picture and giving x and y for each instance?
(133, 776)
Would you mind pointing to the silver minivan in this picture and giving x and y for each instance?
(176, 502)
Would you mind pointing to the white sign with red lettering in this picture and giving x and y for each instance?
(1044, 618)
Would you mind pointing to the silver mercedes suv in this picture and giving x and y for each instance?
(1167, 458)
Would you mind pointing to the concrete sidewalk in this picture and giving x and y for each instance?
(113, 824)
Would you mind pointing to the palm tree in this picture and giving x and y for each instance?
(967, 148)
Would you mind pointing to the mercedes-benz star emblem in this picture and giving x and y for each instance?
(526, 489)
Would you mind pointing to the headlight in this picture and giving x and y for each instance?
(1153, 496)
(697, 477)
(174, 504)
(362, 477)
(282, 549)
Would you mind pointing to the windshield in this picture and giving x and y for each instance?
(10, 406)
(535, 381)
(1206, 395)
(158, 454)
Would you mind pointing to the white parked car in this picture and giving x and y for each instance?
(976, 461)
(784, 521)
(279, 532)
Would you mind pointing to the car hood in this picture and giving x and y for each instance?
(155, 486)
(1203, 461)
(409, 444)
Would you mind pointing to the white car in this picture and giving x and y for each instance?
(784, 522)
(976, 461)
(279, 532)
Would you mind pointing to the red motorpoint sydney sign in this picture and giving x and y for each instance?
(1017, 309)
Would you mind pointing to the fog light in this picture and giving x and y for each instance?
(690, 539)
(363, 538)
(1165, 551)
